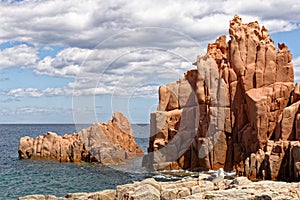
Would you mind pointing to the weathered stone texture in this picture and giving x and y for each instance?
(240, 110)
(110, 143)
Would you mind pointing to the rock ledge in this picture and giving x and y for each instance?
(190, 188)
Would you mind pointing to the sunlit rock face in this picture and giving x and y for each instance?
(110, 143)
(237, 110)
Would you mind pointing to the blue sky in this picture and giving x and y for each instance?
(79, 61)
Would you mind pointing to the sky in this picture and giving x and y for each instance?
(79, 61)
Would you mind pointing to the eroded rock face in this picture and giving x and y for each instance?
(110, 143)
(50, 145)
(238, 110)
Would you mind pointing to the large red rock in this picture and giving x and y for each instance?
(239, 110)
(110, 143)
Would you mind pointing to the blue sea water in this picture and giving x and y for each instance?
(25, 177)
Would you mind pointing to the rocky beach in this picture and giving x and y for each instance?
(189, 188)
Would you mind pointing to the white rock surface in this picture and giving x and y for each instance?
(190, 188)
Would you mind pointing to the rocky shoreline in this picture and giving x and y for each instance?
(189, 188)
(110, 143)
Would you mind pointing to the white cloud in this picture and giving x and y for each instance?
(84, 24)
(20, 55)
(130, 55)
(121, 71)
(296, 62)
(65, 64)
(80, 26)
(276, 15)
(33, 92)
(105, 72)
(117, 47)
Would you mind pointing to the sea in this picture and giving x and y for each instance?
(25, 177)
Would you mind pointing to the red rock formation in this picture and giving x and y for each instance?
(238, 110)
(110, 143)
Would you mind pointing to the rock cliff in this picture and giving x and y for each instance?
(239, 110)
(110, 143)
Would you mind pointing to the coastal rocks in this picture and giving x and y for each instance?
(189, 188)
(102, 195)
(49, 146)
(238, 110)
(110, 143)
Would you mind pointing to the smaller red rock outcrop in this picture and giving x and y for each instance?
(110, 143)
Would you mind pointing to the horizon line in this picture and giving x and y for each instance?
(55, 123)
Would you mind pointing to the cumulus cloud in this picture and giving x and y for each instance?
(20, 55)
(65, 64)
(84, 24)
(117, 47)
(128, 74)
(275, 15)
(119, 70)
